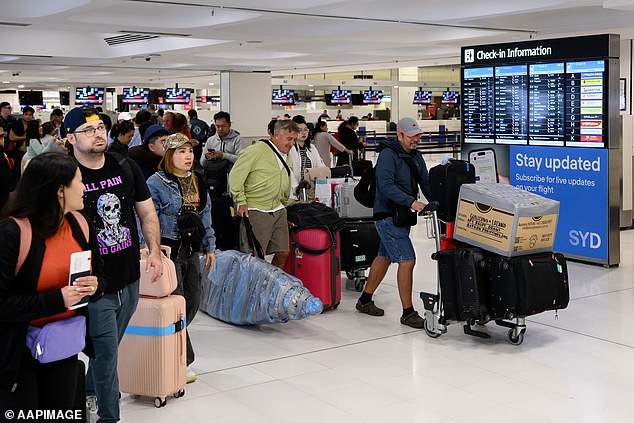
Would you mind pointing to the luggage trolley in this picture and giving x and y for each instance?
(436, 321)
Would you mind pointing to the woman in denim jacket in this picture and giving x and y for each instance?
(179, 194)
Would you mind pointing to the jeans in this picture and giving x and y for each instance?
(108, 319)
(395, 241)
(189, 286)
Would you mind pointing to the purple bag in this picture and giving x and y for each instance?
(57, 340)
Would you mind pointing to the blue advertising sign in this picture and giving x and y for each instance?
(578, 179)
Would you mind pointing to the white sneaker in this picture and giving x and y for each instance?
(91, 405)
(190, 376)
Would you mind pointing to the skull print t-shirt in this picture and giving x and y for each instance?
(109, 204)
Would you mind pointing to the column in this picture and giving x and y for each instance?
(246, 97)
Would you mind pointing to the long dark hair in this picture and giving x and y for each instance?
(36, 194)
(299, 119)
(32, 130)
(121, 128)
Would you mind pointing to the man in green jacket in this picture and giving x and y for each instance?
(260, 183)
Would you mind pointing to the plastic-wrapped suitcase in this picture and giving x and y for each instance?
(152, 353)
(347, 205)
(314, 259)
(527, 285)
(463, 283)
(445, 181)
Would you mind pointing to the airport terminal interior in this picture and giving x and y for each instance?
(574, 365)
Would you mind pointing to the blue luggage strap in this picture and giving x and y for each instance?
(152, 331)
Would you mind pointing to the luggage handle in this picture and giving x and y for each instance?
(313, 251)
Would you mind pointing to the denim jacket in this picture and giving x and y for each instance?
(166, 195)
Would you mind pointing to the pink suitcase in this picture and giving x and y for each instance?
(167, 282)
(315, 260)
(152, 353)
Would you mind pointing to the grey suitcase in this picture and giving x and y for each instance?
(346, 205)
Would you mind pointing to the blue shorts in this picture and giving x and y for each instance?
(395, 242)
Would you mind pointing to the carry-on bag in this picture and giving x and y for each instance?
(445, 181)
(527, 285)
(152, 353)
(315, 260)
(216, 172)
(168, 281)
(224, 224)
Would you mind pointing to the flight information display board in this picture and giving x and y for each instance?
(511, 104)
(478, 111)
(551, 104)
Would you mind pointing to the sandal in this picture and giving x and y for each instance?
(413, 320)
(370, 308)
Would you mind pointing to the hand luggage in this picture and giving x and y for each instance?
(347, 205)
(359, 244)
(445, 181)
(167, 282)
(527, 285)
(152, 353)
(314, 259)
(463, 284)
(360, 166)
(340, 172)
(224, 224)
(216, 173)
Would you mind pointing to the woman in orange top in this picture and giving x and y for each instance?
(37, 293)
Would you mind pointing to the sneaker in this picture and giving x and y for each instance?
(91, 405)
(190, 376)
(370, 308)
(413, 320)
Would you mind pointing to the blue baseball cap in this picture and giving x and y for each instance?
(76, 118)
(154, 131)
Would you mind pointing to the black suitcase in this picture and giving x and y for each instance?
(445, 181)
(462, 284)
(359, 244)
(224, 224)
(527, 285)
(340, 172)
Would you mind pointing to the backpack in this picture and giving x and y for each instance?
(365, 191)
(216, 173)
(199, 130)
(313, 215)
(26, 235)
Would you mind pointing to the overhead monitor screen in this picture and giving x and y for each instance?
(372, 96)
(340, 97)
(450, 97)
(283, 96)
(135, 95)
(178, 95)
(91, 95)
(31, 98)
(422, 97)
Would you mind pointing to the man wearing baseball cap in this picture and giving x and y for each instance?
(149, 154)
(115, 189)
(401, 170)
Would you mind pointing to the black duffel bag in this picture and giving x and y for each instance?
(313, 215)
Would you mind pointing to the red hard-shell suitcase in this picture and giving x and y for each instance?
(315, 260)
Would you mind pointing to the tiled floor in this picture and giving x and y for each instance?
(343, 366)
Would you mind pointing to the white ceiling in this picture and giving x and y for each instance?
(62, 42)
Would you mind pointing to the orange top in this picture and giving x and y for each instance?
(56, 267)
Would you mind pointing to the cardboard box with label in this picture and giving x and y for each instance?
(505, 219)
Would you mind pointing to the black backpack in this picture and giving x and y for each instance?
(365, 191)
(313, 215)
(216, 172)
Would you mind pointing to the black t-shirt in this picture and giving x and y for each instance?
(109, 204)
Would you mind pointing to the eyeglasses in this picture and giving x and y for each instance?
(92, 131)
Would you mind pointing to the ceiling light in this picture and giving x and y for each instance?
(395, 86)
(211, 83)
(20, 86)
(310, 85)
(6, 82)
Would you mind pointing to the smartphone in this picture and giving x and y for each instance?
(485, 164)
(79, 266)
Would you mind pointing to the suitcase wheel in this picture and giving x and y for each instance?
(515, 340)
(429, 331)
(160, 402)
(504, 265)
(179, 394)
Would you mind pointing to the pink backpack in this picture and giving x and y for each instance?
(26, 236)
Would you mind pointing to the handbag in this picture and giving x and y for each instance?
(57, 340)
(404, 216)
(190, 227)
